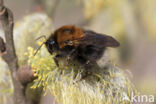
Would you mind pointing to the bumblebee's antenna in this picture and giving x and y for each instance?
(43, 36)
(39, 48)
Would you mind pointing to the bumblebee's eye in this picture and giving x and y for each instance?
(52, 42)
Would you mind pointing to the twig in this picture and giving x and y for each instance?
(6, 18)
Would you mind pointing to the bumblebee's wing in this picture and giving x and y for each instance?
(93, 45)
(100, 40)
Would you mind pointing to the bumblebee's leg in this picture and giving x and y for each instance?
(56, 59)
(70, 55)
(84, 75)
(86, 71)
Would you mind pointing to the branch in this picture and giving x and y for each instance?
(1, 5)
(6, 18)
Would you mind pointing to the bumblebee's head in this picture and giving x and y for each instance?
(51, 45)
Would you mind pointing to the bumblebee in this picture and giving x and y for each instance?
(84, 46)
(74, 43)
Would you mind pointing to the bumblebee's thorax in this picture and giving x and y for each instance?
(68, 36)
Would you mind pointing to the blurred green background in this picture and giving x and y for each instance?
(131, 22)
